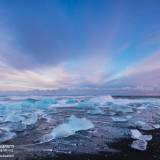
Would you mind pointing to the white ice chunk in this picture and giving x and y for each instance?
(129, 116)
(156, 126)
(136, 134)
(143, 125)
(73, 125)
(139, 145)
(119, 119)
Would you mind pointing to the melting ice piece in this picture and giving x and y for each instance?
(139, 145)
(136, 134)
(6, 135)
(119, 119)
(73, 125)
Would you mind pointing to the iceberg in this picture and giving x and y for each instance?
(69, 128)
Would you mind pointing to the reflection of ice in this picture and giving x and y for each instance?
(69, 128)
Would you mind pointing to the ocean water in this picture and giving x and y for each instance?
(76, 122)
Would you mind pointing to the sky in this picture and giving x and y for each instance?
(80, 44)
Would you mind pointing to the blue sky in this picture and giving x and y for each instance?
(53, 44)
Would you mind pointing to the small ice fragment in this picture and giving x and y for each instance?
(140, 123)
(142, 107)
(156, 126)
(128, 116)
(139, 145)
(135, 134)
(146, 137)
(119, 119)
(143, 125)
(95, 111)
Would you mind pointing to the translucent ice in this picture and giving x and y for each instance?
(143, 125)
(139, 145)
(73, 125)
(135, 134)
(156, 126)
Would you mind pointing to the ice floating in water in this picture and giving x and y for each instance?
(119, 119)
(139, 145)
(73, 125)
(5, 135)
